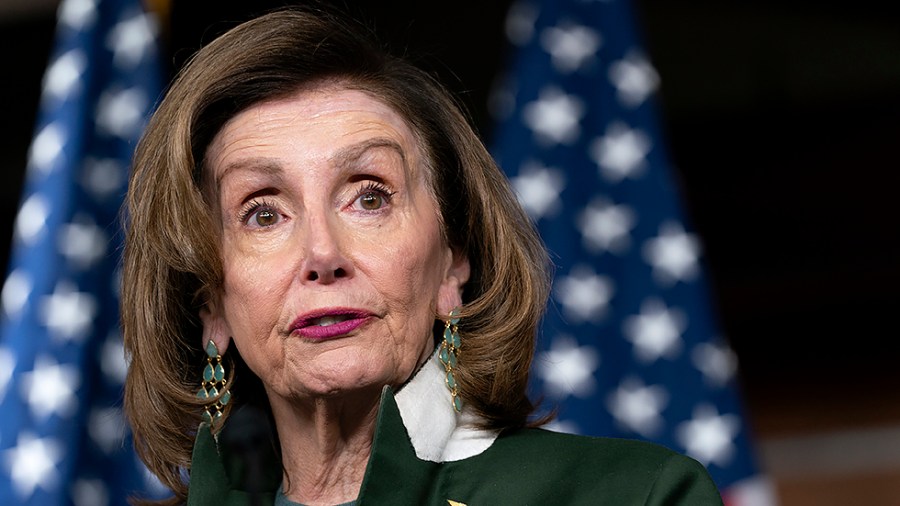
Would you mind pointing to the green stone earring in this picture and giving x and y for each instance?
(213, 383)
(449, 355)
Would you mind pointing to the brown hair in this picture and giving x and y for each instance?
(172, 260)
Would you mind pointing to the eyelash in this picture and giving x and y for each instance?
(375, 187)
(253, 206)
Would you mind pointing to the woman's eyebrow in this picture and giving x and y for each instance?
(265, 166)
(346, 156)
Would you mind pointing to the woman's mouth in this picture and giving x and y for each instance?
(326, 321)
(330, 323)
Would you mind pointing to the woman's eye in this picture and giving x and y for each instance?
(371, 201)
(260, 214)
(373, 196)
(264, 218)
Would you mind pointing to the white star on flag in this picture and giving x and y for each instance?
(708, 436)
(113, 362)
(16, 291)
(102, 177)
(519, 24)
(63, 76)
(87, 492)
(78, 14)
(46, 147)
(106, 427)
(152, 483)
(7, 364)
(555, 116)
(121, 112)
(32, 464)
(637, 407)
(115, 282)
(605, 226)
(584, 295)
(673, 254)
(634, 78)
(50, 388)
(621, 152)
(82, 242)
(716, 361)
(67, 313)
(131, 39)
(656, 331)
(570, 46)
(32, 218)
(568, 369)
(538, 189)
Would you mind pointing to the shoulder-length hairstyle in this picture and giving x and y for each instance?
(172, 263)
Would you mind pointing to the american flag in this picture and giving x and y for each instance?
(63, 438)
(630, 346)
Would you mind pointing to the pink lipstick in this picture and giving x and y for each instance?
(329, 323)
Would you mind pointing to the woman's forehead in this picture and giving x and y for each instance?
(319, 119)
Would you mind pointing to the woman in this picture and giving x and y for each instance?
(314, 229)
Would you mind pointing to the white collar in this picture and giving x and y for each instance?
(437, 432)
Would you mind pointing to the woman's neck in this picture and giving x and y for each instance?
(325, 446)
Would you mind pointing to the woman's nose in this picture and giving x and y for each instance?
(325, 260)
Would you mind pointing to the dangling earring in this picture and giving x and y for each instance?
(449, 354)
(213, 382)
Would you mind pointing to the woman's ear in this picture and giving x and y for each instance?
(215, 328)
(455, 278)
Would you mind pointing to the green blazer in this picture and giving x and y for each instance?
(521, 467)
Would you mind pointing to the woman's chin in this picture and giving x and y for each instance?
(358, 382)
(349, 368)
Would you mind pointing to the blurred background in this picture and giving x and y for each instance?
(782, 119)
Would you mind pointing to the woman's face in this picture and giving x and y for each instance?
(333, 255)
